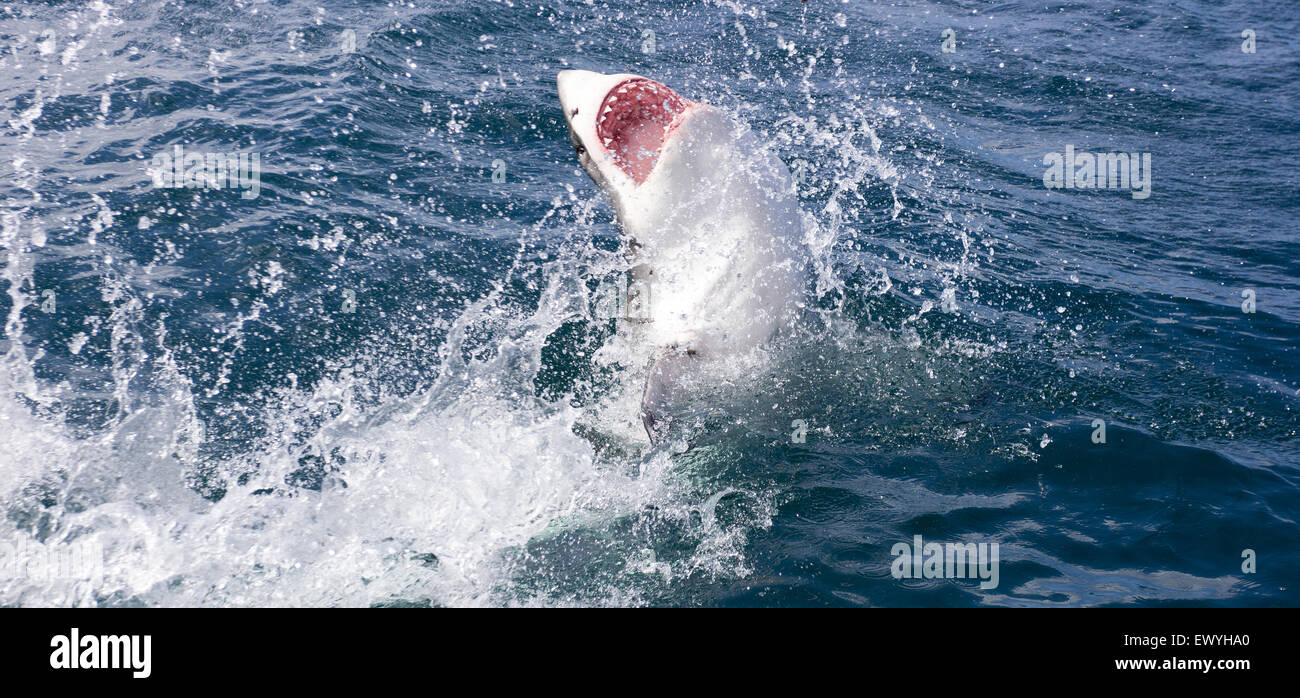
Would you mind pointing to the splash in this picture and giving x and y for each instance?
(478, 485)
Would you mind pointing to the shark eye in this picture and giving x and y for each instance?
(577, 147)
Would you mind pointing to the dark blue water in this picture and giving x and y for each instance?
(380, 381)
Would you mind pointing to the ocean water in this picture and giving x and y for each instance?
(383, 379)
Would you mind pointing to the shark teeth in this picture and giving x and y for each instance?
(633, 122)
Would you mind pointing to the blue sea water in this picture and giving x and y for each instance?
(381, 380)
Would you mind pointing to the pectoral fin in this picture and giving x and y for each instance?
(660, 385)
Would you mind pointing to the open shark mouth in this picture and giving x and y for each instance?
(633, 122)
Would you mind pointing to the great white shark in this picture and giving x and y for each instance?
(709, 219)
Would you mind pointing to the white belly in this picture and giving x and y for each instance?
(717, 236)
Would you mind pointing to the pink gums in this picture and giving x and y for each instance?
(635, 119)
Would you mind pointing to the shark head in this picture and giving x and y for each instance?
(619, 125)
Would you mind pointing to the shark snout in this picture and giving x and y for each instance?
(573, 86)
(584, 91)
